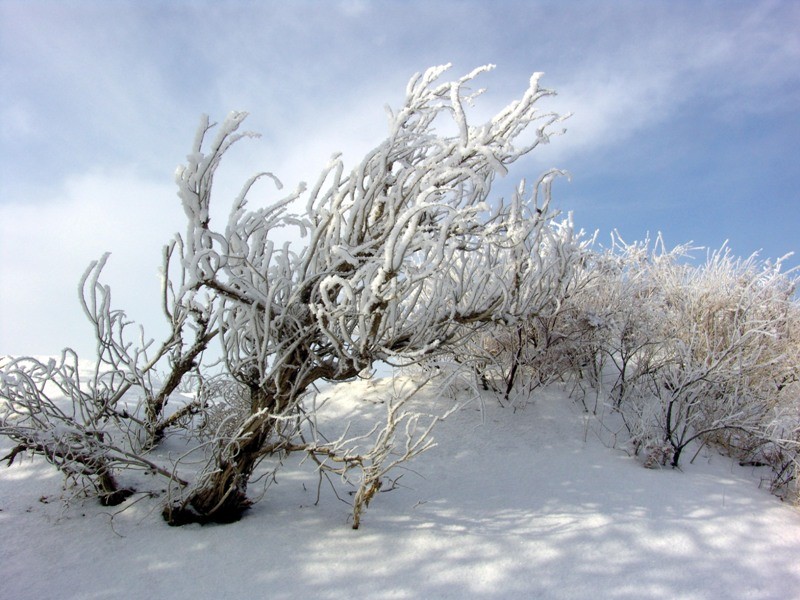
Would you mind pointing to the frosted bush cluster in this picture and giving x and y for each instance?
(679, 354)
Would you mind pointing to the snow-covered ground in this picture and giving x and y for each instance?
(523, 503)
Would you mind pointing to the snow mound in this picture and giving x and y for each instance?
(512, 503)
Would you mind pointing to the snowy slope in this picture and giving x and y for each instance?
(510, 504)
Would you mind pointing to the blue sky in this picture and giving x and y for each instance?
(686, 120)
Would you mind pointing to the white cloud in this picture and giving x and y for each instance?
(47, 246)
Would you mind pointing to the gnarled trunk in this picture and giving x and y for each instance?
(222, 495)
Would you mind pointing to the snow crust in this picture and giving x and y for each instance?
(512, 503)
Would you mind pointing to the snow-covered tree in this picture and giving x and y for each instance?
(404, 256)
(401, 257)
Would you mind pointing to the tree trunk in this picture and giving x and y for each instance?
(222, 497)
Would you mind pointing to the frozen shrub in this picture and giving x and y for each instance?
(695, 353)
(403, 257)
(542, 344)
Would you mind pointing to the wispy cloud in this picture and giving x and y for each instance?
(47, 246)
(735, 61)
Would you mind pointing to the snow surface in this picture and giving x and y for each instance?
(523, 503)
